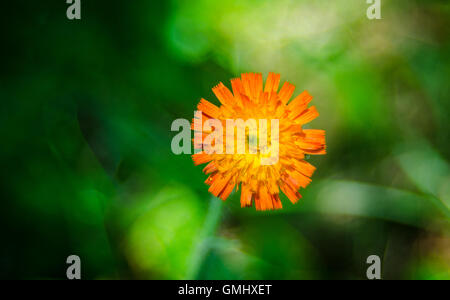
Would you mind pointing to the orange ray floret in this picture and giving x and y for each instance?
(261, 184)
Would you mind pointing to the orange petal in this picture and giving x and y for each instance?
(219, 183)
(227, 191)
(276, 201)
(303, 167)
(291, 194)
(208, 108)
(308, 115)
(211, 167)
(236, 85)
(201, 158)
(299, 104)
(266, 199)
(286, 92)
(246, 196)
(223, 94)
(272, 82)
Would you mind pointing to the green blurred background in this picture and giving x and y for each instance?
(86, 165)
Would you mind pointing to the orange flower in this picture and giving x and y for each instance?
(260, 184)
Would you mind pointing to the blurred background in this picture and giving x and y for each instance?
(86, 165)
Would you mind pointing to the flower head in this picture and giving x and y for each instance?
(260, 183)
